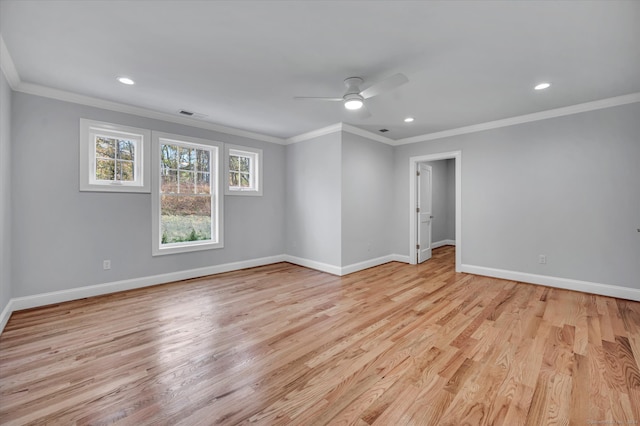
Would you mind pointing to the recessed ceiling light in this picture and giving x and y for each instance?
(126, 80)
(542, 86)
(408, 119)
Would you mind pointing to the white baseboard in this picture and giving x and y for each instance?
(564, 283)
(312, 264)
(349, 269)
(400, 258)
(43, 299)
(443, 243)
(6, 314)
(355, 267)
(27, 302)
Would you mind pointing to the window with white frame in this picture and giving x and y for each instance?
(113, 158)
(243, 170)
(187, 207)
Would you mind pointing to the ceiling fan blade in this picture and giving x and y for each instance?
(384, 85)
(310, 98)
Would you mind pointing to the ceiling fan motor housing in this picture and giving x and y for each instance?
(353, 85)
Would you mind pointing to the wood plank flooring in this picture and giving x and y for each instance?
(392, 345)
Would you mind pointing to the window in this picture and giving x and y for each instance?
(243, 171)
(113, 158)
(187, 208)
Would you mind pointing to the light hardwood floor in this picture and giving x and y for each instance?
(392, 345)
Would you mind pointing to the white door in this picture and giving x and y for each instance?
(424, 212)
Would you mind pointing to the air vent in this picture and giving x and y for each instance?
(191, 114)
(383, 130)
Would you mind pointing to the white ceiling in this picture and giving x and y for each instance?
(241, 62)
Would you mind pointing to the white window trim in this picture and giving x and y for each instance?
(256, 173)
(142, 172)
(216, 195)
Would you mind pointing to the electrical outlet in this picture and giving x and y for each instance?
(106, 264)
(542, 259)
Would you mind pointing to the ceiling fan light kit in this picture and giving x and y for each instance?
(353, 101)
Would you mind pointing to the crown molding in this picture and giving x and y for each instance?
(62, 95)
(7, 66)
(314, 134)
(339, 127)
(367, 134)
(527, 118)
(13, 78)
(511, 121)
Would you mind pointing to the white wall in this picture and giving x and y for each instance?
(313, 200)
(5, 192)
(62, 235)
(567, 187)
(367, 185)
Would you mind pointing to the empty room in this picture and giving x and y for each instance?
(319, 212)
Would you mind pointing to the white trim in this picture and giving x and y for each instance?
(556, 282)
(314, 134)
(400, 258)
(88, 182)
(527, 118)
(355, 267)
(443, 243)
(413, 164)
(217, 194)
(48, 92)
(345, 270)
(366, 134)
(7, 66)
(312, 264)
(28, 302)
(6, 314)
(339, 127)
(43, 299)
(256, 172)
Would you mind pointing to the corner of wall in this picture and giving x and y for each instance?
(5, 199)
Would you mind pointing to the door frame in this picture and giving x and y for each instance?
(413, 217)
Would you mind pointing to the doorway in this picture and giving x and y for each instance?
(414, 214)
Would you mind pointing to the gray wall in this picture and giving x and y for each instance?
(367, 188)
(567, 187)
(450, 233)
(61, 235)
(313, 179)
(5, 192)
(441, 197)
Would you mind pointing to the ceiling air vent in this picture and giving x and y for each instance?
(383, 130)
(191, 114)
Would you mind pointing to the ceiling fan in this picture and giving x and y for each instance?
(353, 98)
